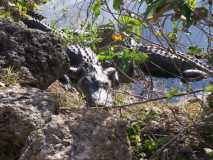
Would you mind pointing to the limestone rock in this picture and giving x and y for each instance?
(22, 110)
(33, 128)
(39, 57)
(90, 135)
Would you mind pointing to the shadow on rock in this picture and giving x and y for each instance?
(37, 56)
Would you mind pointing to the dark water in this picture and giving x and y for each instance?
(72, 13)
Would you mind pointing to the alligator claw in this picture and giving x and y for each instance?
(66, 83)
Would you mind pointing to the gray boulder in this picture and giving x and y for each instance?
(90, 135)
(22, 110)
(33, 128)
(39, 57)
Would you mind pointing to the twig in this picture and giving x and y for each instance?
(180, 132)
(165, 145)
(149, 100)
(124, 74)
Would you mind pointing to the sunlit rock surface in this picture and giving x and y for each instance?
(86, 135)
(22, 110)
(32, 127)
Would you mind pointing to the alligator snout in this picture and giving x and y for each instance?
(97, 93)
(97, 86)
(101, 97)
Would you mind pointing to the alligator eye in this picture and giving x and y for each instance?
(105, 84)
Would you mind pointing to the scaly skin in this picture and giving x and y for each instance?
(172, 61)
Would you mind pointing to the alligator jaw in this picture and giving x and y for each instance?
(101, 98)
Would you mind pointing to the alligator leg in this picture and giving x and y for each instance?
(75, 73)
(193, 75)
(66, 79)
(66, 83)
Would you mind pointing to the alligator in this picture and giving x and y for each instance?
(92, 79)
(164, 62)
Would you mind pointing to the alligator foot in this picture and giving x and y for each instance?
(66, 84)
(193, 75)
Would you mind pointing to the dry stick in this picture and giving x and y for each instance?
(172, 49)
(149, 100)
(124, 74)
(168, 143)
(164, 146)
(207, 34)
(209, 27)
(140, 102)
(110, 11)
(179, 133)
(133, 95)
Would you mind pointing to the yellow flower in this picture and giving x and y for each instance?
(117, 37)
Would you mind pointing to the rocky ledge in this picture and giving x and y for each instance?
(32, 126)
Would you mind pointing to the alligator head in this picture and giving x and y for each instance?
(94, 82)
(97, 85)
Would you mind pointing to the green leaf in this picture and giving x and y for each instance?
(133, 24)
(96, 7)
(21, 7)
(172, 37)
(209, 88)
(117, 4)
(158, 34)
(139, 57)
(187, 12)
(34, 5)
(174, 26)
(130, 20)
(192, 4)
(4, 14)
(193, 50)
(137, 30)
(150, 144)
(104, 57)
(172, 92)
(44, 1)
